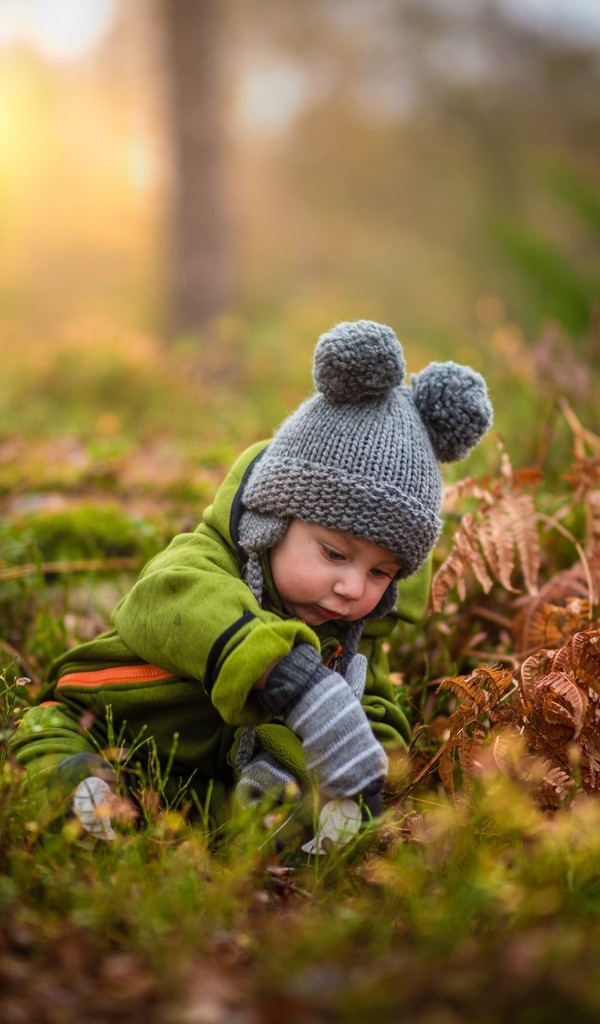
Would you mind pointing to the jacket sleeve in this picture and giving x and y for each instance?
(191, 613)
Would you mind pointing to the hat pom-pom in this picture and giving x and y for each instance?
(454, 406)
(358, 360)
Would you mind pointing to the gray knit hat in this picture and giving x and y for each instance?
(361, 455)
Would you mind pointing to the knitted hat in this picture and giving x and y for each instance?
(361, 455)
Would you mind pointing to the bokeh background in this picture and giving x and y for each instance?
(192, 193)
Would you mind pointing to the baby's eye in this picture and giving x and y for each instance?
(380, 574)
(335, 556)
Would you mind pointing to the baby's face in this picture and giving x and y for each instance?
(324, 574)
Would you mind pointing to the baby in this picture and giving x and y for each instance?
(250, 652)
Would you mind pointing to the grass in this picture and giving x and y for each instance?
(485, 907)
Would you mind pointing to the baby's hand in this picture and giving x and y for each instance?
(338, 742)
(318, 705)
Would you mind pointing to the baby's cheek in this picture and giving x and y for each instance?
(297, 582)
(374, 596)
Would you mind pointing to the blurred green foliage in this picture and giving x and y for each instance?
(558, 278)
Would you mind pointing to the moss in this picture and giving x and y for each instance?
(84, 531)
(91, 531)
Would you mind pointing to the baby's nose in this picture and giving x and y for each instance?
(351, 585)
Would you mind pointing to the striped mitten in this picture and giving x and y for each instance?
(318, 705)
(264, 776)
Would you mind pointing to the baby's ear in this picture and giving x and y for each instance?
(454, 406)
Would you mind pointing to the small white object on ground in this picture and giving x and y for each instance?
(91, 803)
(339, 821)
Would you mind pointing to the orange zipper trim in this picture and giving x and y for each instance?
(332, 657)
(118, 674)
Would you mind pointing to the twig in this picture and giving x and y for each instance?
(424, 771)
(82, 565)
(492, 656)
(486, 613)
(576, 426)
(584, 562)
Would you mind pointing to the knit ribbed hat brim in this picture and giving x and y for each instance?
(385, 515)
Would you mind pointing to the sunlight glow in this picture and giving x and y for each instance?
(271, 97)
(61, 29)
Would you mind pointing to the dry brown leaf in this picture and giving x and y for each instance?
(552, 625)
(498, 548)
(586, 658)
(559, 700)
(534, 669)
(519, 511)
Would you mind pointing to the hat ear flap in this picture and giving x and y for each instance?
(454, 406)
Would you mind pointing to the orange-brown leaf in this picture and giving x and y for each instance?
(560, 702)
(534, 669)
(449, 575)
(553, 625)
(497, 545)
(586, 658)
(520, 515)
(466, 542)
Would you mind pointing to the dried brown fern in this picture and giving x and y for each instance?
(547, 625)
(555, 708)
(565, 604)
(548, 784)
(559, 704)
(479, 695)
(502, 531)
(551, 713)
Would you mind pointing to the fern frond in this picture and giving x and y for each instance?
(560, 701)
(449, 575)
(553, 625)
(466, 541)
(447, 766)
(497, 545)
(521, 519)
(461, 490)
(534, 668)
(503, 524)
(563, 589)
(585, 658)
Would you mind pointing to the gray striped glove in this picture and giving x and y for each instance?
(319, 706)
(264, 776)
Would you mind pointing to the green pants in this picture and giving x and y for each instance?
(50, 733)
(158, 728)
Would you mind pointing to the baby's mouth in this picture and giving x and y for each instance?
(326, 614)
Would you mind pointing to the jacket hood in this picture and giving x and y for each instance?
(225, 512)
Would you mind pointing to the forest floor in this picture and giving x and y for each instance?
(475, 897)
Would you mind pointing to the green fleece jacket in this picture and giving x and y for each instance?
(188, 644)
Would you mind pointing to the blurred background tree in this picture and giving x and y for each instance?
(201, 264)
(434, 165)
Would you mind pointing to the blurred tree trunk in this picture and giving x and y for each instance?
(201, 276)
